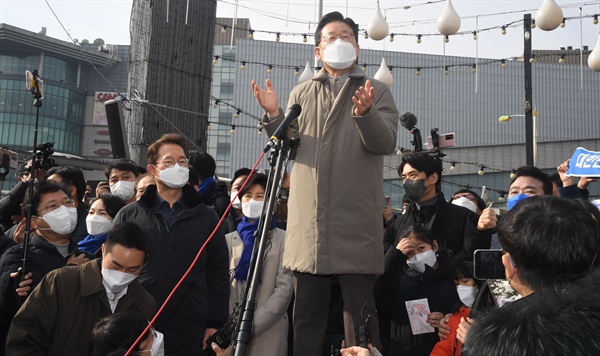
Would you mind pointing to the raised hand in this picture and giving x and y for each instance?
(267, 99)
(363, 99)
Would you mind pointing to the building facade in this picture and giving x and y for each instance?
(467, 101)
(71, 115)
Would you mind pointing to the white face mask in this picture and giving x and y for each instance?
(174, 177)
(97, 224)
(418, 261)
(339, 54)
(465, 203)
(252, 209)
(123, 189)
(61, 220)
(236, 203)
(467, 294)
(117, 280)
(158, 345)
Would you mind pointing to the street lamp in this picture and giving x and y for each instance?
(506, 118)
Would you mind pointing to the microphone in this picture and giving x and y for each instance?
(408, 120)
(281, 131)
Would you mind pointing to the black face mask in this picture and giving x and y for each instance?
(414, 188)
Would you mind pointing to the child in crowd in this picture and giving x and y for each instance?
(468, 289)
(414, 270)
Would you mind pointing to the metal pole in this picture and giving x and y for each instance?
(319, 15)
(529, 134)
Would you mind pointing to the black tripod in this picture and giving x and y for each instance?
(281, 152)
(35, 85)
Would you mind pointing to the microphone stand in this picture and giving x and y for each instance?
(281, 152)
(37, 103)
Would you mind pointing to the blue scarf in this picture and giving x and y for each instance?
(203, 187)
(92, 243)
(246, 231)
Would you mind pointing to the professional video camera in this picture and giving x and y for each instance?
(43, 151)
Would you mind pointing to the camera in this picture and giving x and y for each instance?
(223, 337)
(43, 151)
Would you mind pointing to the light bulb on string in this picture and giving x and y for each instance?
(501, 198)
(278, 37)
(448, 23)
(418, 72)
(224, 29)
(216, 60)
(237, 114)
(503, 30)
(399, 153)
(270, 69)
(532, 59)
(503, 63)
(216, 104)
(366, 35)
(251, 34)
(418, 38)
(304, 38)
(474, 68)
(563, 24)
(595, 20)
(297, 73)
(232, 131)
(446, 38)
(208, 126)
(260, 132)
(243, 66)
(533, 23)
(364, 67)
(480, 171)
(562, 59)
(392, 37)
(549, 16)
(513, 174)
(446, 70)
(453, 166)
(475, 35)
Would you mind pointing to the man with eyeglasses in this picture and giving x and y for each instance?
(59, 315)
(174, 218)
(348, 123)
(53, 219)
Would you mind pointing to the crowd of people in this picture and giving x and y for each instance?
(340, 275)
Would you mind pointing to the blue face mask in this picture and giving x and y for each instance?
(512, 201)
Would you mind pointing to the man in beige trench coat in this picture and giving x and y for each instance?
(348, 123)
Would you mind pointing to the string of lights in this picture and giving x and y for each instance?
(500, 192)
(418, 69)
(502, 27)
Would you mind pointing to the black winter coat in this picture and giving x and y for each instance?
(11, 204)
(202, 300)
(454, 228)
(400, 284)
(217, 197)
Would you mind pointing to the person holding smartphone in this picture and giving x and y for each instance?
(549, 242)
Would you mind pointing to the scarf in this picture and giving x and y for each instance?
(203, 187)
(246, 231)
(91, 243)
